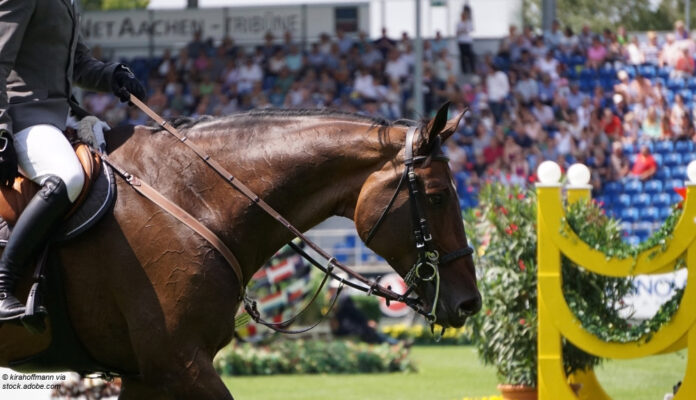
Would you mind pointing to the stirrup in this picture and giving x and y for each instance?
(6, 295)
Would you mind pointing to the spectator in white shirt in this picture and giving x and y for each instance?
(364, 84)
(465, 42)
(548, 65)
(249, 73)
(498, 88)
(397, 66)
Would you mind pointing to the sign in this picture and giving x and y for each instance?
(651, 292)
(395, 308)
(137, 29)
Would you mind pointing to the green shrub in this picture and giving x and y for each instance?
(311, 357)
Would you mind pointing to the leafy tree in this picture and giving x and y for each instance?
(635, 15)
(97, 5)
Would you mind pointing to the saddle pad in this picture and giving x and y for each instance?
(98, 201)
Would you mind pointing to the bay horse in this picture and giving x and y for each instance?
(152, 299)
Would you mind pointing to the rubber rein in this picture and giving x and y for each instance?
(428, 258)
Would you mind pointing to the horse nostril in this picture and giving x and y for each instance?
(470, 306)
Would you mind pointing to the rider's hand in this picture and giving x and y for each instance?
(125, 83)
(8, 159)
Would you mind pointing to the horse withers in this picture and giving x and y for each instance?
(152, 300)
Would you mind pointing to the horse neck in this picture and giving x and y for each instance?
(308, 173)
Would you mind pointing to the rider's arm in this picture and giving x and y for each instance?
(14, 18)
(90, 73)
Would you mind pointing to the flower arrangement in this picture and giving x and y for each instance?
(503, 229)
(311, 357)
(423, 335)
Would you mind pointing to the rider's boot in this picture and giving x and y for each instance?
(30, 232)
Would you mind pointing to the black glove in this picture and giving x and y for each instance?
(124, 83)
(8, 159)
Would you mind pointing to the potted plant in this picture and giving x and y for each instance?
(503, 229)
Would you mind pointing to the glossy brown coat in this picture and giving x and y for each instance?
(149, 296)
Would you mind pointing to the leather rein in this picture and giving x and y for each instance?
(425, 269)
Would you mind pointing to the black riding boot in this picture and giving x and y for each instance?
(30, 232)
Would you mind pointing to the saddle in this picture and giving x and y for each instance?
(96, 197)
(15, 199)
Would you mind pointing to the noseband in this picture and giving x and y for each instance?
(428, 262)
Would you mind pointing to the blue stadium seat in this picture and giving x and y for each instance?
(671, 184)
(611, 188)
(663, 174)
(588, 74)
(652, 186)
(577, 60)
(658, 159)
(664, 72)
(623, 201)
(642, 233)
(678, 172)
(630, 214)
(676, 198)
(648, 71)
(684, 146)
(665, 212)
(686, 95)
(633, 187)
(651, 214)
(641, 200)
(676, 84)
(662, 200)
(673, 159)
(626, 228)
(633, 240)
(629, 148)
(664, 146)
(688, 157)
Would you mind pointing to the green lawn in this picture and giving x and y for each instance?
(449, 373)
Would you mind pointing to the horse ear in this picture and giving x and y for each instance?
(452, 125)
(437, 124)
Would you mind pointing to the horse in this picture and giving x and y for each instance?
(150, 298)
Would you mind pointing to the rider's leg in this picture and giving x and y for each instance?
(46, 157)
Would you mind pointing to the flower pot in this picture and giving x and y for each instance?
(518, 392)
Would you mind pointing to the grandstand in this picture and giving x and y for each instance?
(542, 95)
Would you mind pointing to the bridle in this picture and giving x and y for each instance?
(425, 269)
(428, 262)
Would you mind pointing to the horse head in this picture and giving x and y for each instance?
(415, 223)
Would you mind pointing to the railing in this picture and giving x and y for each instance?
(346, 246)
(556, 320)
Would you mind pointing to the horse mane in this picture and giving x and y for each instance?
(191, 122)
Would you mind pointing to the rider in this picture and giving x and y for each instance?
(41, 55)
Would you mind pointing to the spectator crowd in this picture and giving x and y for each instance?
(601, 98)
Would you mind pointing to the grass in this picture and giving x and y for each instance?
(451, 373)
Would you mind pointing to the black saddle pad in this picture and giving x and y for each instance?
(99, 200)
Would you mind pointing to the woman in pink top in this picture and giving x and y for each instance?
(596, 54)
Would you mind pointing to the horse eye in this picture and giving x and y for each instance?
(435, 199)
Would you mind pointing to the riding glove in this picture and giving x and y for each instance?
(8, 159)
(125, 83)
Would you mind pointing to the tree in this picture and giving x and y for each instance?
(98, 5)
(635, 15)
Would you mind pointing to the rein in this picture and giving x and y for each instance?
(427, 256)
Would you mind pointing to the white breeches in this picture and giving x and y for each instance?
(43, 150)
